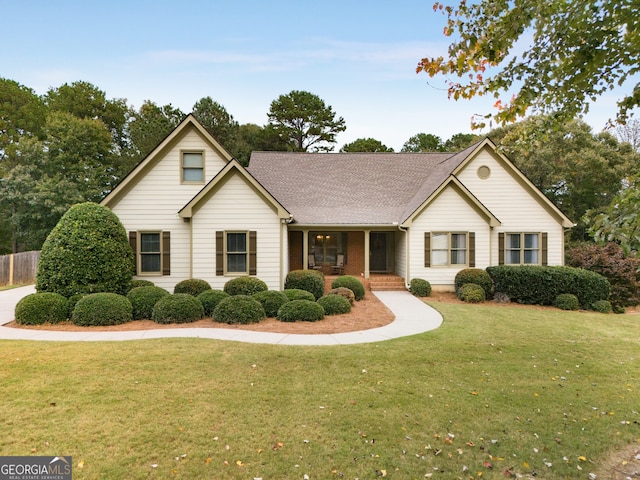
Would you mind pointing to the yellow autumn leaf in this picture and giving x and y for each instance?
(81, 464)
(239, 463)
(582, 458)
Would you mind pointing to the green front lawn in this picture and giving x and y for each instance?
(495, 391)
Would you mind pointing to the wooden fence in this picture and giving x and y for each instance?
(19, 268)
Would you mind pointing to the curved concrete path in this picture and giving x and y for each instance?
(412, 317)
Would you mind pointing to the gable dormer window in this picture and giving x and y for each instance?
(193, 167)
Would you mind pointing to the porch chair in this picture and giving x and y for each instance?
(311, 261)
(339, 266)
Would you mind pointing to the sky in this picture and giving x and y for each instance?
(359, 57)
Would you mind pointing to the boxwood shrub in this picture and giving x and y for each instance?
(192, 286)
(602, 306)
(471, 293)
(540, 285)
(420, 287)
(239, 309)
(136, 282)
(566, 301)
(177, 308)
(477, 276)
(39, 308)
(303, 310)
(245, 286)
(210, 300)
(334, 304)
(271, 301)
(309, 280)
(352, 283)
(101, 309)
(344, 292)
(143, 299)
(71, 302)
(299, 294)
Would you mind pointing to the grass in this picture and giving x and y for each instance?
(495, 391)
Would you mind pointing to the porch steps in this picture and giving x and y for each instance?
(386, 283)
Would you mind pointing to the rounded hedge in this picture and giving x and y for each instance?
(303, 310)
(298, 294)
(334, 304)
(88, 251)
(210, 300)
(271, 301)
(566, 301)
(136, 282)
(344, 292)
(177, 308)
(352, 283)
(143, 299)
(471, 293)
(239, 309)
(477, 276)
(602, 306)
(39, 308)
(101, 309)
(192, 286)
(72, 301)
(309, 280)
(420, 287)
(245, 286)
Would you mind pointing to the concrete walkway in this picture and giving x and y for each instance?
(412, 317)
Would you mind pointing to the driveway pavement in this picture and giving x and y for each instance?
(412, 317)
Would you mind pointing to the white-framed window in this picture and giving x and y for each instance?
(150, 253)
(449, 248)
(522, 249)
(236, 252)
(193, 167)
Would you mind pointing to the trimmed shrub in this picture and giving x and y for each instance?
(88, 251)
(136, 282)
(192, 286)
(344, 292)
(239, 309)
(618, 309)
(303, 310)
(538, 285)
(101, 309)
(471, 293)
(309, 280)
(177, 308)
(210, 300)
(245, 286)
(39, 308)
(143, 299)
(477, 276)
(334, 304)
(299, 294)
(420, 287)
(566, 301)
(72, 301)
(352, 283)
(271, 301)
(602, 306)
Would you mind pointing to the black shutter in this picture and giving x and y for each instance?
(133, 241)
(427, 249)
(219, 253)
(501, 248)
(166, 253)
(253, 258)
(472, 249)
(545, 242)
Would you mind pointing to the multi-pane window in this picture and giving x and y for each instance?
(150, 253)
(236, 252)
(448, 249)
(522, 248)
(325, 246)
(192, 167)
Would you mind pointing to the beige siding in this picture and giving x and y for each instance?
(236, 206)
(401, 253)
(449, 212)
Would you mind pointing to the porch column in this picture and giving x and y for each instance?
(305, 249)
(367, 253)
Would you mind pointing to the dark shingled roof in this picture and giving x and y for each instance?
(352, 188)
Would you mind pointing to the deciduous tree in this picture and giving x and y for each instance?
(365, 145)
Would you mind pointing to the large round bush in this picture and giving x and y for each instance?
(420, 287)
(352, 283)
(192, 286)
(100, 309)
(143, 300)
(334, 304)
(303, 310)
(309, 280)
(177, 308)
(299, 294)
(87, 252)
(477, 276)
(210, 300)
(471, 293)
(39, 308)
(244, 286)
(239, 309)
(271, 301)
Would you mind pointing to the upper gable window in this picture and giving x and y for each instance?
(193, 167)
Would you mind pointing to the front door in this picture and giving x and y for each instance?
(378, 252)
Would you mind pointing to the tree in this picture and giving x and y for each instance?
(365, 145)
(305, 122)
(218, 122)
(630, 133)
(460, 141)
(578, 50)
(423, 142)
(150, 125)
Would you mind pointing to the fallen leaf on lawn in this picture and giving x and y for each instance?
(239, 463)
(582, 458)
(207, 460)
(81, 464)
(154, 465)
